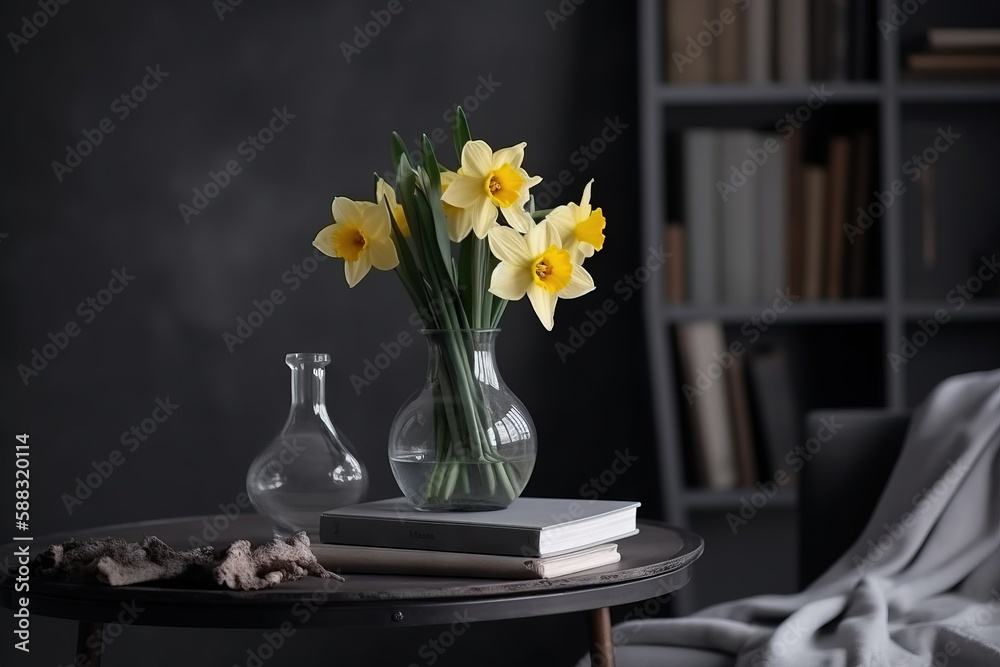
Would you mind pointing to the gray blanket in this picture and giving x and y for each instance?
(919, 588)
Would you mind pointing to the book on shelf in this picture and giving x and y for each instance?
(701, 160)
(674, 243)
(814, 225)
(742, 424)
(791, 41)
(861, 191)
(683, 20)
(730, 242)
(738, 217)
(839, 198)
(380, 560)
(706, 395)
(729, 44)
(965, 65)
(794, 214)
(758, 41)
(742, 408)
(772, 220)
(529, 527)
(963, 38)
(775, 405)
(758, 219)
(820, 38)
(972, 53)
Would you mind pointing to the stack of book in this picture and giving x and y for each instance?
(534, 538)
(791, 41)
(759, 219)
(957, 52)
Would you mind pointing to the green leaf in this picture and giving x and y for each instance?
(409, 273)
(433, 191)
(460, 132)
(430, 163)
(398, 149)
(406, 187)
(499, 305)
(486, 273)
(466, 272)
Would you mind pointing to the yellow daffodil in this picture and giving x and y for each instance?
(536, 264)
(383, 193)
(489, 182)
(459, 219)
(580, 228)
(361, 235)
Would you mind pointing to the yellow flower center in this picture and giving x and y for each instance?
(503, 186)
(552, 270)
(591, 230)
(349, 242)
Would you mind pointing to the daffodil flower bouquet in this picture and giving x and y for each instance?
(441, 232)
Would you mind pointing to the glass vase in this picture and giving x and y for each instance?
(309, 467)
(464, 442)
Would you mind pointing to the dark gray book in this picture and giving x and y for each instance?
(776, 405)
(531, 527)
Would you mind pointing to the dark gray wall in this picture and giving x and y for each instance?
(162, 336)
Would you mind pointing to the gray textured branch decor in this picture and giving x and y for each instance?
(115, 562)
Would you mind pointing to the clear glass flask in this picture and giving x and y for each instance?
(309, 467)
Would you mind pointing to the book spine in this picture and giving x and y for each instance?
(742, 425)
(772, 221)
(793, 41)
(838, 199)
(815, 224)
(739, 219)
(860, 193)
(821, 39)
(759, 54)
(838, 68)
(683, 21)
(794, 214)
(700, 200)
(431, 537)
(677, 264)
(709, 408)
(730, 66)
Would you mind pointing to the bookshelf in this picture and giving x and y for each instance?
(858, 334)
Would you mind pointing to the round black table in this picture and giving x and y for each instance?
(654, 563)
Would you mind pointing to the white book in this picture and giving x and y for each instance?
(793, 41)
(759, 52)
(708, 402)
(701, 149)
(772, 218)
(378, 560)
(739, 215)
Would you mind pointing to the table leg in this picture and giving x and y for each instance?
(89, 638)
(602, 649)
